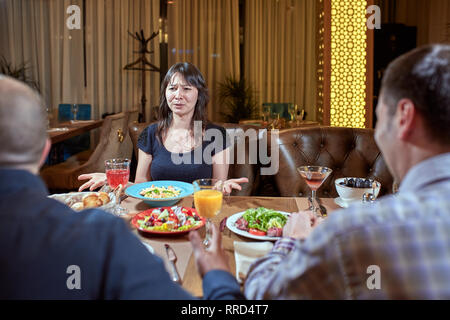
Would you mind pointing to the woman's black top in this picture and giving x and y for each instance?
(188, 166)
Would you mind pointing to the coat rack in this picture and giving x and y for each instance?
(143, 65)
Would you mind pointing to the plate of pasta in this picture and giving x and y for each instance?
(160, 193)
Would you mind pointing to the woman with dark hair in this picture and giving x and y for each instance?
(182, 145)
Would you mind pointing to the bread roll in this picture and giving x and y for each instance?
(78, 206)
(103, 196)
(92, 201)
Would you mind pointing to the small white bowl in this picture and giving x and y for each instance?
(350, 194)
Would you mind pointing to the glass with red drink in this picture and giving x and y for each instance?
(118, 173)
(314, 177)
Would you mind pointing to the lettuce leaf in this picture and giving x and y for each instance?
(262, 218)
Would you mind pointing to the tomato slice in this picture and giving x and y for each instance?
(188, 212)
(155, 215)
(256, 232)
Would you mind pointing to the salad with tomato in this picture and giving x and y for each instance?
(169, 219)
(262, 222)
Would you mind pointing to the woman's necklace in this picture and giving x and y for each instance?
(180, 141)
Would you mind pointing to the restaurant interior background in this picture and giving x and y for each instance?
(318, 54)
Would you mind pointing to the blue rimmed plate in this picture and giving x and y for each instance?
(134, 191)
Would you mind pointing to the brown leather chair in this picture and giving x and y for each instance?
(114, 142)
(135, 130)
(236, 170)
(133, 116)
(243, 165)
(349, 152)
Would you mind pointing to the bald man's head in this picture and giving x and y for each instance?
(22, 125)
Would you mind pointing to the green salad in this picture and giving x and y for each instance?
(263, 219)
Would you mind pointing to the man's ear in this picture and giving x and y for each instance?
(45, 152)
(406, 118)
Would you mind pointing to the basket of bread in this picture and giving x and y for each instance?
(85, 200)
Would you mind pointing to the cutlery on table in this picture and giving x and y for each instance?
(310, 203)
(322, 209)
(118, 191)
(173, 259)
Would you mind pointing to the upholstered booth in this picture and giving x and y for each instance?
(240, 167)
(114, 142)
(349, 152)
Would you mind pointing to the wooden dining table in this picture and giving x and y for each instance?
(66, 130)
(180, 243)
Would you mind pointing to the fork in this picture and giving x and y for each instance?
(310, 203)
(322, 209)
(173, 259)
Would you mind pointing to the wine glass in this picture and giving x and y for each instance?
(266, 110)
(74, 111)
(117, 173)
(299, 114)
(208, 196)
(49, 117)
(292, 110)
(314, 177)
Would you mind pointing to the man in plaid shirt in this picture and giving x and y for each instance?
(395, 248)
(399, 246)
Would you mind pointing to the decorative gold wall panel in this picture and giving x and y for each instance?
(320, 39)
(348, 63)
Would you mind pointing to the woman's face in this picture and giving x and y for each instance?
(181, 96)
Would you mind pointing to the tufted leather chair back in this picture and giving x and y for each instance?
(243, 163)
(243, 168)
(349, 152)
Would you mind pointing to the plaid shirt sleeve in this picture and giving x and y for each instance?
(257, 284)
(295, 269)
(319, 267)
(409, 247)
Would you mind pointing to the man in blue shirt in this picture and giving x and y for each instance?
(399, 246)
(49, 251)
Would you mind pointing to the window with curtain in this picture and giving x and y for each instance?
(280, 51)
(35, 31)
(206, 33)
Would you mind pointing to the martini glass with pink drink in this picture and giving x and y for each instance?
(314, 177)
(117, 173)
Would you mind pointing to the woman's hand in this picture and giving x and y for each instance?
(96, 180)
(231, 184)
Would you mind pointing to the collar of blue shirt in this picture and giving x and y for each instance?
(426, 172)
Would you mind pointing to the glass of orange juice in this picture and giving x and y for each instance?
(208, 195)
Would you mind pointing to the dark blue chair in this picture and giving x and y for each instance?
(79, 143)
(65, 112)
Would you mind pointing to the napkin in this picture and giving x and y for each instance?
(245, 253)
